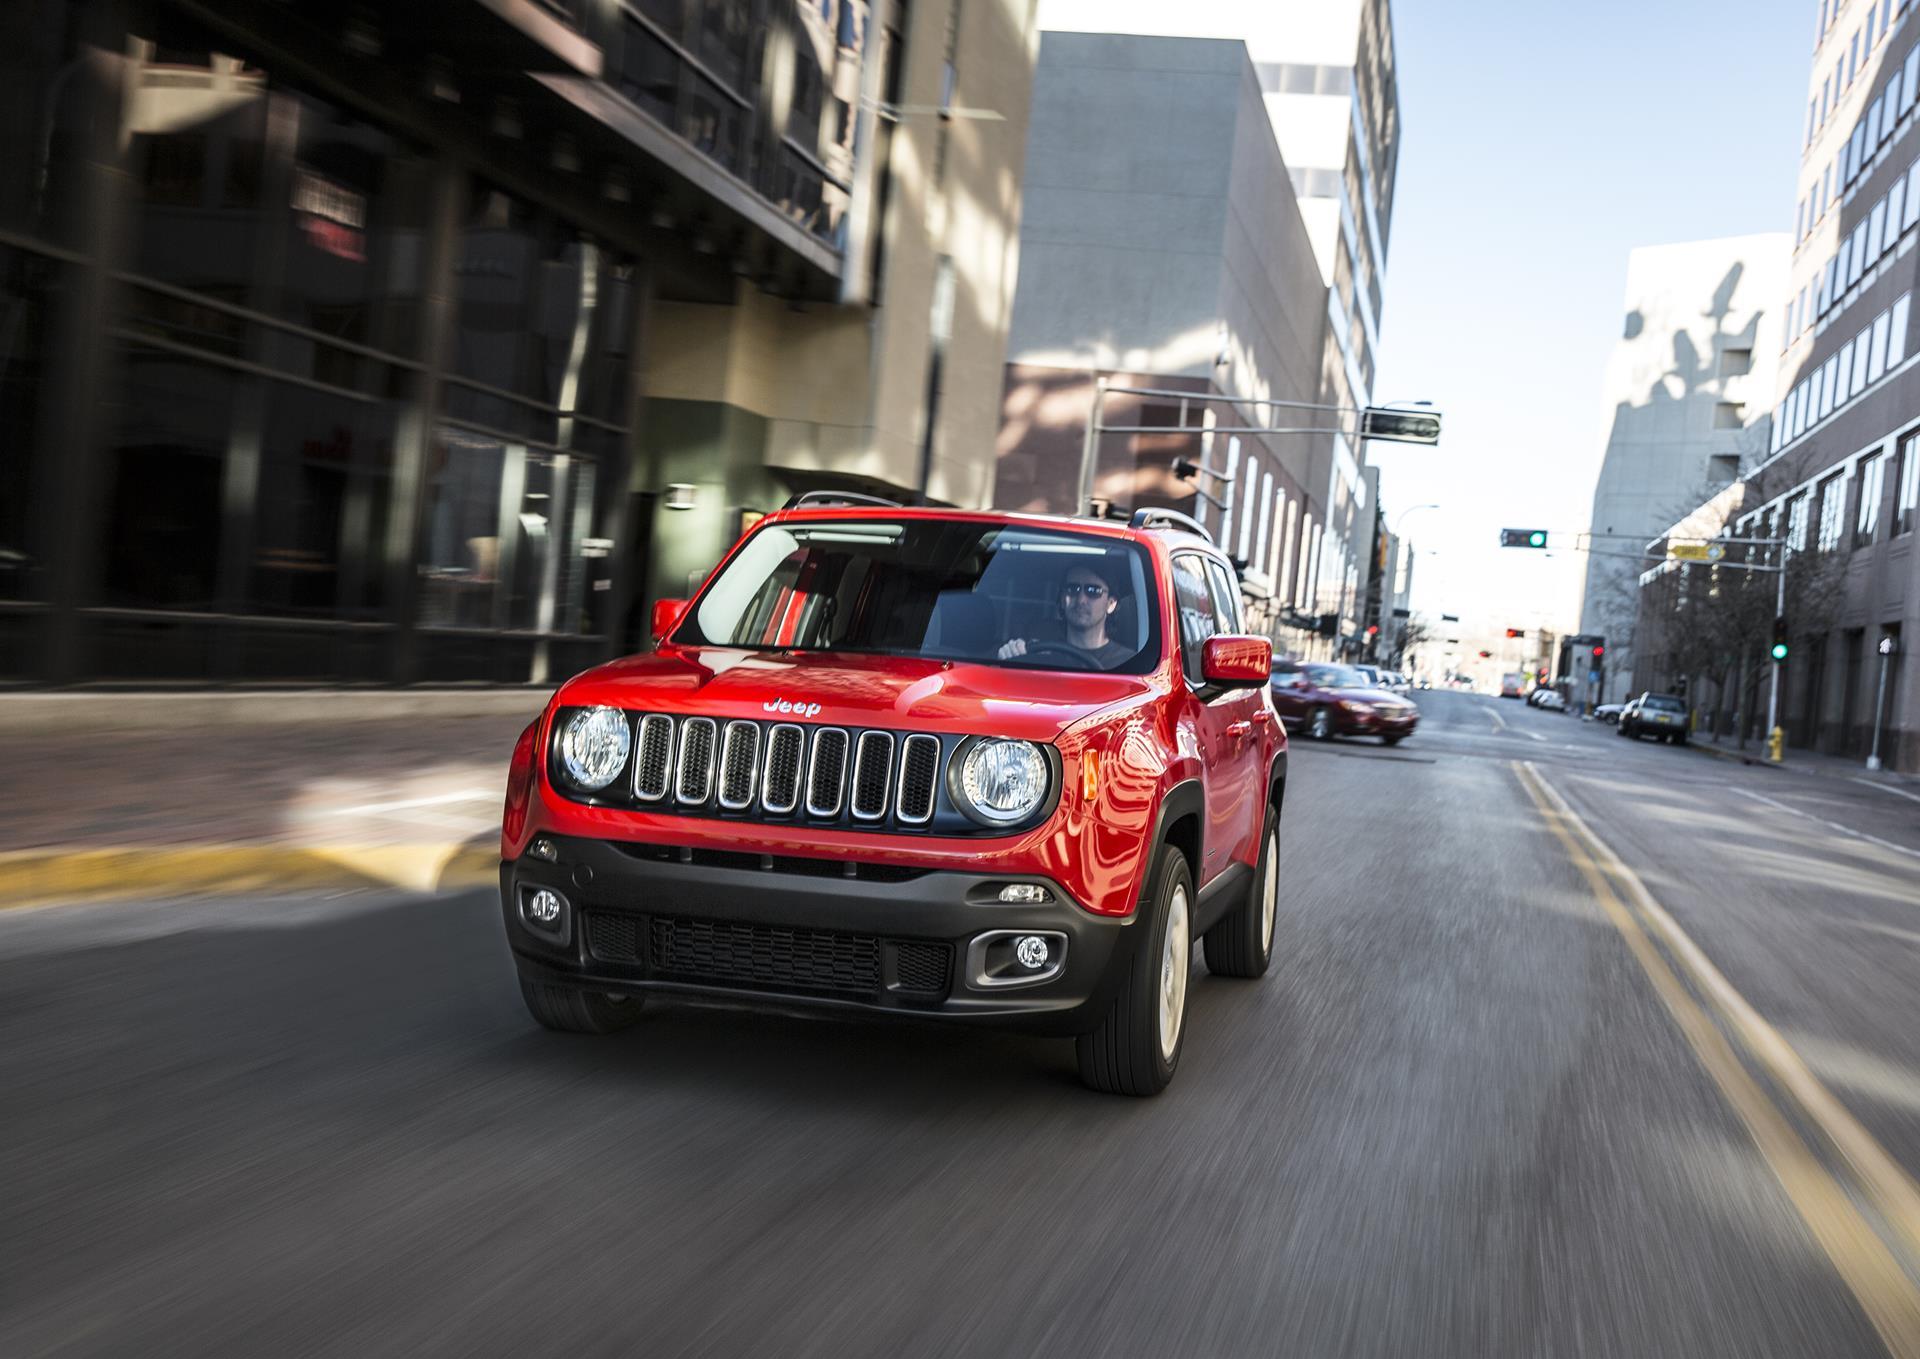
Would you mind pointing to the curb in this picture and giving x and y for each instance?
(1733, 755)
(42, 877)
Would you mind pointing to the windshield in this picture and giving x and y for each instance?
(992, 593)
(1339, 677)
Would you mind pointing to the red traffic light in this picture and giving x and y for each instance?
(1515, 632)
(1598, 652)
(1373, 629)
(1485, 654)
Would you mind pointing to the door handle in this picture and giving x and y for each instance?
(1239, 728)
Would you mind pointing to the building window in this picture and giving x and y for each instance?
(1728, 415)
(1735, 362)
(166, 472)
(1907, 485)
(1873, 473)
(1877, 356)
(1860, 361)
(1897, 333)
(1833, 506)
(1876, 229)
(1797, 523)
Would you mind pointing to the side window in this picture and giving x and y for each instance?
(1226, 598)
(1195, 603)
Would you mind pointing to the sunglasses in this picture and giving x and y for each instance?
(1091, 591)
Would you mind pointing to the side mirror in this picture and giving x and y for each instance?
(667, 614)
(1237, 662)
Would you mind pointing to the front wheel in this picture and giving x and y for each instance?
(1321, 728)
(1136, 1049)
(569, 1009)
(1241, 943)
(1391, 740)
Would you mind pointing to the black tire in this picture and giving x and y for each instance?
(1240, 944)
(1391, 740)
(1123, 1056)
(569, 1009)
(1681, 739)
(1320, 726)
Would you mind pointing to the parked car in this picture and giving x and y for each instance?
(1513, 685)
(1373, 674)
(1549, 699)
(1398, 683)
(988, 768)
(1609, 712)
(1338, 700)
(1662, 716)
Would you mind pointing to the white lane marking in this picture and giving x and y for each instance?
(1499, 723)
(1875, 783)
(1534, 735)
(437, 800)
(1831, 825)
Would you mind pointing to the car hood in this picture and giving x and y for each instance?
(856, 690)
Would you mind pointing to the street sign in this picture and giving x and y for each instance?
(1403, 613)
(1887, 645)
(1402, 427)
(1696, 552)
(1593, 677)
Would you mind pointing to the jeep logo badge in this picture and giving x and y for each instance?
(781, 705)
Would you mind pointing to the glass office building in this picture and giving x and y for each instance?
(321, 327)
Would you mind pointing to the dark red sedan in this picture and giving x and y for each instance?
(1338, 700)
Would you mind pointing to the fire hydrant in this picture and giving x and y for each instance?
(1776, 744)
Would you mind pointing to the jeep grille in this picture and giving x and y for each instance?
(808, 774)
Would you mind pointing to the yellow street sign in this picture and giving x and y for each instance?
(1696, 552)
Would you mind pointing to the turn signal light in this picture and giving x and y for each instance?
(1090, 775)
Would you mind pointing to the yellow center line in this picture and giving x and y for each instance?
(1885, 1290)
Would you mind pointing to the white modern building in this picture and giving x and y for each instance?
(1687, 393)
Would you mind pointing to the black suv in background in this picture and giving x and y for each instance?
(1664, 716)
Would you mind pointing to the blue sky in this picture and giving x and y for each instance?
(1541, 144)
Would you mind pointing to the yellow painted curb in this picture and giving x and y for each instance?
(36, 877)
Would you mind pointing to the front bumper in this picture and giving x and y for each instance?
(1374, 723)
(819, 933)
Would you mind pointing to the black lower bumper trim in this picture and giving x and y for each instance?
(658, 923)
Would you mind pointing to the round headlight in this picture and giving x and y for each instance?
(1003, 781)
(594, 745)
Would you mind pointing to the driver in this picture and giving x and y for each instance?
(1086, 597)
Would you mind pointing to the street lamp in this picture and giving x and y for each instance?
(1401, 518)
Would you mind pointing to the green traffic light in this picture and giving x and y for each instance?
(1537, 538)
(1779, 651)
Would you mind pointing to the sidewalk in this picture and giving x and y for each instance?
(114, 795)
(1803, 762)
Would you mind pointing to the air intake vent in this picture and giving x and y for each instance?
(872, 767)
(653, 761)
(827, 772)
(739, 761)
(694, 775)
(780, 783)
(919, 776)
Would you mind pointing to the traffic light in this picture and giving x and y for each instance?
(1515, 632)
(1780, 637)
(1523, 537)
(1405, 427)
(1486, 655)
(1598, 652)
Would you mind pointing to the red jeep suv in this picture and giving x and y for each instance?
(985, 767)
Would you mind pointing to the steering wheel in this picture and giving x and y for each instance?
(1060, 650)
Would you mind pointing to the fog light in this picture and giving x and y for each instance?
(1031, 950)
(543, 907)
(543, 848)
(1024, 894)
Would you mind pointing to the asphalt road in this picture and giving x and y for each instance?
(1463, 1116)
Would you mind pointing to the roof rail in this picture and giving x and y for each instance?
(824, 498)
(1157, 518)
